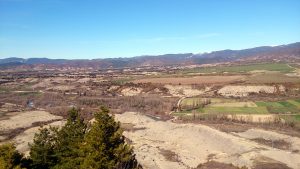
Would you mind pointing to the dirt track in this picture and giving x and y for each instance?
(164, 145)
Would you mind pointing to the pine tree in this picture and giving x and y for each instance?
(42, 151)
(105, 147)
(73, 146)
(59, 148)
(10, 158)
(70, 138)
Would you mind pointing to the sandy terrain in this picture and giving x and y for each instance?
(190, 145)
(45, 83)
(61, 88)
(27, 136)
(192, 80)
(83, 80)
(243, 91)
(131, 91)
(296, 73)
(184, 90)
(113, 88)
(25, 119)
(31, 80)
(269, 135)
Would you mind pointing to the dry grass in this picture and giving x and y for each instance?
(170, 155)
(216, 165)
(267, 163)
(280, 144)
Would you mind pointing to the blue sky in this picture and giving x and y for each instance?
(89, 29)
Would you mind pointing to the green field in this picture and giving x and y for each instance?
(287, 104)
(269, 104)
(280, 67)
(294, 102)
(290, 106)
(288, 110)
(227, 106)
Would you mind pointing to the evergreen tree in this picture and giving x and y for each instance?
(105, 147)
(10, 158)
(74, 146)
(59, 148)
(42, 151)
(70, 138)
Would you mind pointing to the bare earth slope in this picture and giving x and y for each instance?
(164, 145)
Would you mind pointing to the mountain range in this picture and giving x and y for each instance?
(286, 53)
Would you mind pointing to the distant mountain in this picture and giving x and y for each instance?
(289, 53)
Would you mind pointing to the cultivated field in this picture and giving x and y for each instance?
(287, 111)
(260, 78)
(280, 67)
(191, 80)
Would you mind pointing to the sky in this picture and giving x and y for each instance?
(88, 29)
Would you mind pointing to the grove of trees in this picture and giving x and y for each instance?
(76, 145)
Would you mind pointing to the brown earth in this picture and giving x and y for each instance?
(216, 165)
(192, 80)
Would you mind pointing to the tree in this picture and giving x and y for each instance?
(105, 146)
(70, 140)
(59, 148)
(42, 151)
(10, 158)
(73, 146)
